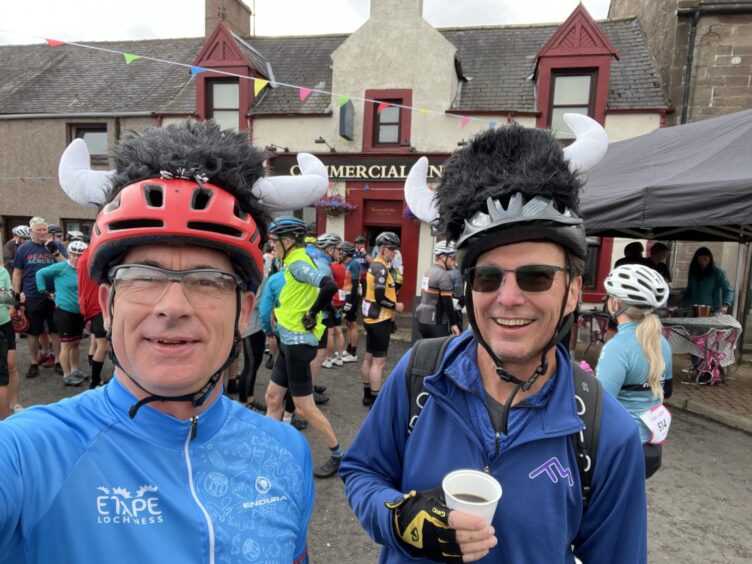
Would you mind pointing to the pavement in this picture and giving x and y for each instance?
(728, 403)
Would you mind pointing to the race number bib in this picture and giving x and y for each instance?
(424, 283)
(365, 307)
(658, 420)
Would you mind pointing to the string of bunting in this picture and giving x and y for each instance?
(28, 178)
(260, 83)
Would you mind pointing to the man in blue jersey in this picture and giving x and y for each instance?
(502, 398)
(159, 465)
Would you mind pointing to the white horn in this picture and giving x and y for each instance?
(287, 193)
(419, 197)
(83, 185)
(589, 147)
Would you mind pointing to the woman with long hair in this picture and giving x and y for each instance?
(635, 365)
(707, 284)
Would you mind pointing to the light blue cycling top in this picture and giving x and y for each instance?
(82, 482)
(622, 363)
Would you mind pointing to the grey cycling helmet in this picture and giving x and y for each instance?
(637, 285)
(444, 248)
(326, 240)
(360, 240)
(347, 249)
(388, 238)
(22, 231)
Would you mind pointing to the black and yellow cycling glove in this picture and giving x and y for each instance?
(421, 523)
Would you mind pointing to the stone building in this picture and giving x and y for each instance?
(703, 52)
(369, 104)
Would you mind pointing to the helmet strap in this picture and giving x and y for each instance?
(196, 398)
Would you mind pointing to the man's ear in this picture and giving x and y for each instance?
(247, 301)
(574, 295)
(104, 303)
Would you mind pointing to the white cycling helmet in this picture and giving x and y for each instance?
(22, 231)
(637, 285)
(74, 235)
(77, 247)
(444, 248)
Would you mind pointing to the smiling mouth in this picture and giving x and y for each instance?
(171, 342)
(512, 322)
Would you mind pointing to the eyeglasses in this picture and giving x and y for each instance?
(145, 285)
(530, 277)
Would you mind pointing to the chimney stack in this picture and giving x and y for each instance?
(235, 14)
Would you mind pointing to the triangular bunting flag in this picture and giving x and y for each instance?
(304, 93)
(464, 121)
(424, 112)
(258, 85)
(343, 100)
(129, 58)
(197, 70)
(54, 42)
(382, 107)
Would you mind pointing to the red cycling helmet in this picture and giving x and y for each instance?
(175, 212)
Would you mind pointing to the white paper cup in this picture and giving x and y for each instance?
(472, 491)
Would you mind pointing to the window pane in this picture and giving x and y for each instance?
(388, 133)
(558, 127)
(96, 141)
(589, 277)
(226, 119)
(572, 90)
(389, 115)
(226, 95)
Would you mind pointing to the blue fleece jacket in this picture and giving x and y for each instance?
(540, 513)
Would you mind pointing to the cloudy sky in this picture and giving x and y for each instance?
(97, 20)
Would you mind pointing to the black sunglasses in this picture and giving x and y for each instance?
(530, 277)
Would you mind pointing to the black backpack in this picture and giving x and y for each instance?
(426, 357)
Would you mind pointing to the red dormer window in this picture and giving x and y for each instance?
(574, 68)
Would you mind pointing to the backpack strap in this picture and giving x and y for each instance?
(425, 359)
(589, 396)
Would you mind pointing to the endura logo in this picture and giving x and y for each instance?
(263, 486)
(118, 506)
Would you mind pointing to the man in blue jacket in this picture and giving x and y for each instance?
(503, 397)
(159, 465)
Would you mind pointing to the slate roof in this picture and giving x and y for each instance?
(497, 60)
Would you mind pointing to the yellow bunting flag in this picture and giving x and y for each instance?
(258, 85)
(424, 112)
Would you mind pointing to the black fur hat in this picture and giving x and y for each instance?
(497, 164)
(224, 157)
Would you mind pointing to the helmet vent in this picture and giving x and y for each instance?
(240, 214)
(114, 204)
(201, 199)
(153, 195)
(134, 224)
(214, 228)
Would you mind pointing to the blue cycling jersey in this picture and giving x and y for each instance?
(623, 363)
(82, 482)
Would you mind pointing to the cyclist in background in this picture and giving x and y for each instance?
(436, 315)
(351, 289)
(635, 365)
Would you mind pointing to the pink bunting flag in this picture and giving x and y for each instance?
(382, 107)
(304, 93)
(464, 121)
(54, 42)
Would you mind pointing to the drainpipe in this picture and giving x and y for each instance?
(690, 57)
(704, 9)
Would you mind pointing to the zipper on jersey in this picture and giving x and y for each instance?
(191, 485)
